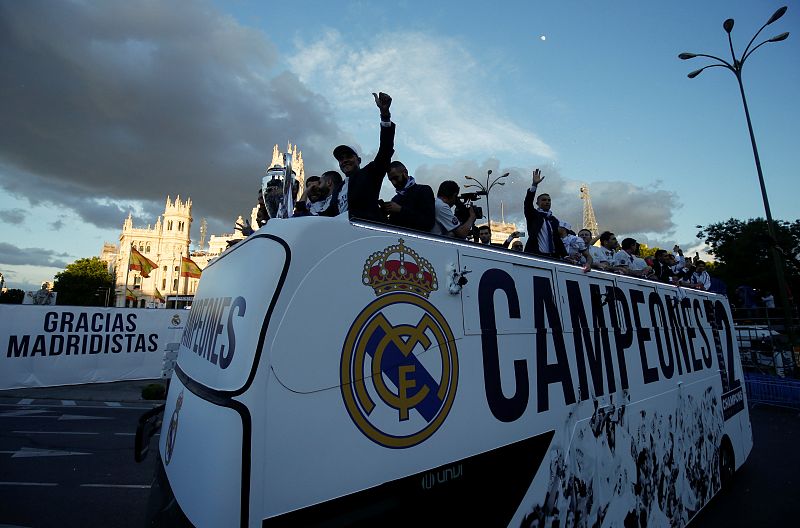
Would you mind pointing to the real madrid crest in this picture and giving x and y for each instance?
(172, 432)
(399, 368)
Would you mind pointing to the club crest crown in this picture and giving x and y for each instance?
(399, 268)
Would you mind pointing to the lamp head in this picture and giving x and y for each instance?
(728, 25)
(695, 73)
(684, 56)
(776, 15)
(778, 38)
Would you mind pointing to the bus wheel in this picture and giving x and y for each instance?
(726, 463)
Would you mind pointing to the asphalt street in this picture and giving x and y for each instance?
(764, 490)
(70, 463)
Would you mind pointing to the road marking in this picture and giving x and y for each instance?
(26, 401)
(113, 404)
(124, 407)
(30, 452)
(28, 484)
(130, 486)
(68, 402)
(26, 413)
(55, 432)
(82, 417)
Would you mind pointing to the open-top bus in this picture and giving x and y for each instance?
(337, 373)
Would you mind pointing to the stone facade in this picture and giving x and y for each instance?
(164, 243)
(167, 241)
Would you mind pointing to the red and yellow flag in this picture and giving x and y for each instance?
(158, 295)
(129, 295)
(189, 268)
(141, 263)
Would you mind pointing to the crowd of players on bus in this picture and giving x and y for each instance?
(449, 213)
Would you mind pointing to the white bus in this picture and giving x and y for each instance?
(337, 373)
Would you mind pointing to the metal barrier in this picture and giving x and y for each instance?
(772, 390)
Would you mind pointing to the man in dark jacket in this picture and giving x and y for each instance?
(362, 186)
(543, 236)
(661, 267)
(413, 205)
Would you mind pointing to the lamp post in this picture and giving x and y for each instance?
(484, 189)
(106, 293)
(736, 68)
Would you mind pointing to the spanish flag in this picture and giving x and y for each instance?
(158, 295)
(141, 263)
(129, 295)
(189, 268)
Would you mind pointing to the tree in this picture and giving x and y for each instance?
(647, 251)
(12, 296)
(742, 252)
(83, 283)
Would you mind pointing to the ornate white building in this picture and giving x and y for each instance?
(164, 243)
(167, 241)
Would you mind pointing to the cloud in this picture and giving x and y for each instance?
(11, 255)
(12, 216)
(108, 103)
(622, 207)
(448, 109)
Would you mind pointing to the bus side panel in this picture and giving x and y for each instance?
(201, 446)
(734, 399)
(619, 381)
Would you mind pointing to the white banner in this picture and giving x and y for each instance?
(43, 346)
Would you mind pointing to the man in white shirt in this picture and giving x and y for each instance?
(628, 262)
(446, 222)
(603, 255)
(700, 278)
(577, 253)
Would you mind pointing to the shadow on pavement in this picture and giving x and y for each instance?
(118, 391)
(764, 490)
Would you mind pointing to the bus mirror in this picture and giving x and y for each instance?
(149, 425)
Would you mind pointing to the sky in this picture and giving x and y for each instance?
(108, 107)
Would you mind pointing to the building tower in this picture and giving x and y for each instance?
(164, 244)
(203, 233)
(298, 167)
(589, 220)
(174, 242)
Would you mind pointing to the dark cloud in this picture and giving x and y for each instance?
(105, 103)
(11, 255)
(622, 207)
(12, 216)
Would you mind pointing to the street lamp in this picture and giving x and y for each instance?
(106, 292)
(484, 189)
(736, 68)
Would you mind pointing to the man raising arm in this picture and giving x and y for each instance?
(362, 185)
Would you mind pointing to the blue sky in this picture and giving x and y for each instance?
(111, 106)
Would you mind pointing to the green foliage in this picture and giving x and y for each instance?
(12, 296)
(646, 251)
(742, 251)
(83, 283)
(154, 391)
